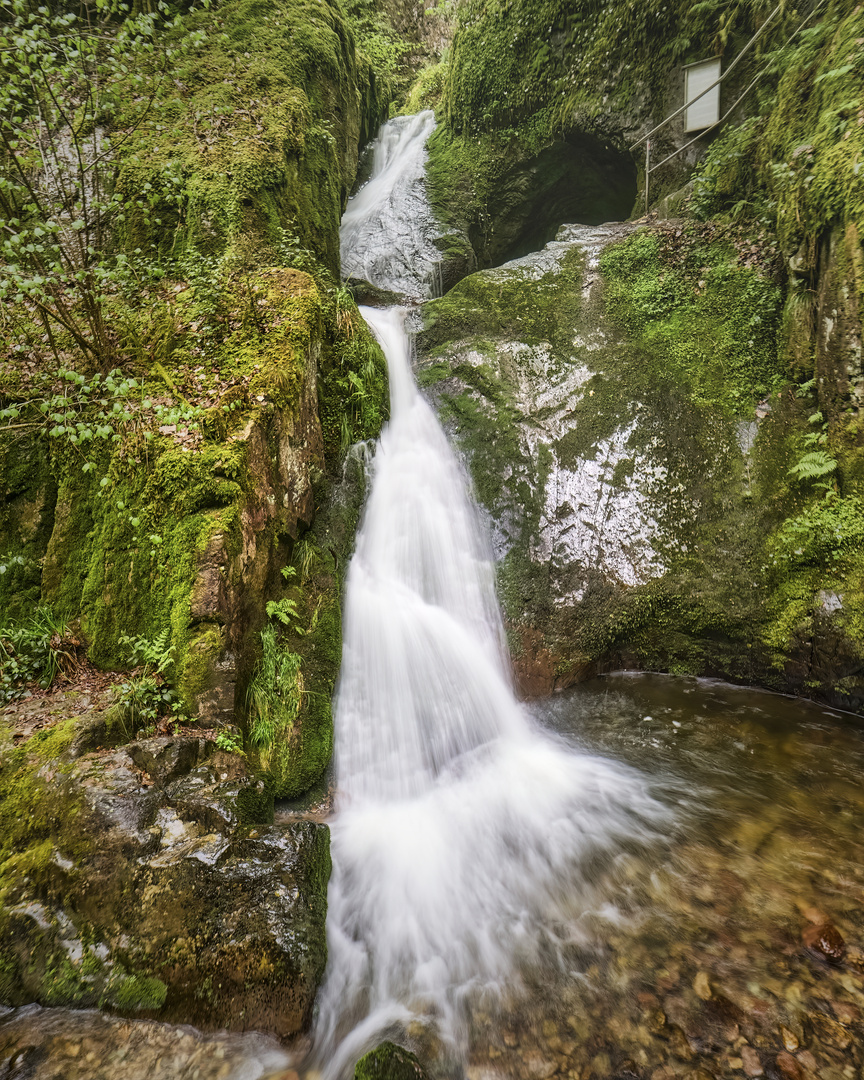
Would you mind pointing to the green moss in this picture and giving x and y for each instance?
(353, 400)
(35, 817)
(139, 992)
(257, 130)
(699, 318)
(28, 493)
(427, 90)
(389, 1062)
(280, 313)
(291, 734)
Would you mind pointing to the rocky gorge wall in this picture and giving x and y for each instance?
(663, 425)
(639, 518)
(186, 503)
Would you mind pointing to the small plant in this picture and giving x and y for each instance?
(147, 694)
(229, 741)
(36, 651)
(275, 694)
(304, 556)
(815, 462)
(284, 610)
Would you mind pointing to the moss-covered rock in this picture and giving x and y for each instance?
(620, 399)
(539, 93)
(255, 135)
(502, 196)
(136, 880)
(183, 528)
(187, 530)
(389, 1062)
(28, 494)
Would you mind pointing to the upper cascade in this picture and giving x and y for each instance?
(388, 230)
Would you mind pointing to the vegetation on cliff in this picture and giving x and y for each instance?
(181, 371)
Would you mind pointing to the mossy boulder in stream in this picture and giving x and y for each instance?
(389, 1062)
(623, 411)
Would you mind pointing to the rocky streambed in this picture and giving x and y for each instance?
(741, 951)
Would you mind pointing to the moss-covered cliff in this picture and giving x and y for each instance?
(535, 92)
(176, 405)
(168, 493)
(256, 133)
(631, 431)
(743, 315)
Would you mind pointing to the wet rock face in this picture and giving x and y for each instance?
(580, 503)
(169, 895)
(608, 421)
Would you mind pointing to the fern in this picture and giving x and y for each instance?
(813, 465)
(155, 654)
(285, 611)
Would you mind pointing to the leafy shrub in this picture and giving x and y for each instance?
(69, 76)
(230, 741)
(146, 695)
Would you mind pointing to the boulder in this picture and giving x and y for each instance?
(609, 396)
(389, 1062)
(149, 880)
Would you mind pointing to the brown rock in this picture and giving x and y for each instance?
(657, 1023)
(829, 1031)
(845, 1012)
(752, 1064)
(826, 940)
(788, 1067)
(790, 1039)
(679, 1044)
(702, 986)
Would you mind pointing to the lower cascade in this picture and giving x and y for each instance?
(466, 840)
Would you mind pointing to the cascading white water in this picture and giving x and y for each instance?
(463, 834)
(388, 231)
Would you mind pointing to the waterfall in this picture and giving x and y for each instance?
(462, 832)
(388, 230)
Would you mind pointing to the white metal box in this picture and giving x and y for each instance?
(706, 111)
